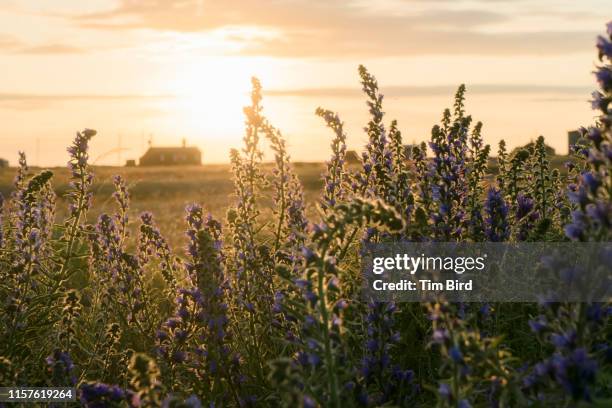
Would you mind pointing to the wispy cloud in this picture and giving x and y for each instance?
(421, 91)
(408, 42)
(50, 49)
(8, 42)
(67, 97)
(316, 28)
(23, 101)
(195, 15)
(12, 45)
(553, 93)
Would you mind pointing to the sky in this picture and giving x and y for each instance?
(160, 71)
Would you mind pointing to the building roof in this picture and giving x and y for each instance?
(179, 149)
(352, 156)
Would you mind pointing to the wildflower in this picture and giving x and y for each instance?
(377, 363)
(455, 354)
(61, 368)
(151, 242)
(100, 395)
(594, 134)
(445, 392)
(604, 78)
(122, 197)
(174, 401)
(564, 340)
(81, 176)
(179, 356)
(335, 178)
(145, 379)
(377, 154)
(308, 402)
(537, 325)
(599, 101)
(591, 181)
(605, 47)
(497, 212)
(440, 336)
(524, 206)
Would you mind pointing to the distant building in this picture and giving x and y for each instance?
(352, 157)
(574, 137)
(4, 163)
(172, 156)
(130, 163)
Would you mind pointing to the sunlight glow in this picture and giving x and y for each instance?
(211, 93)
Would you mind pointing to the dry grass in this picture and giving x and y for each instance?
(165, 191)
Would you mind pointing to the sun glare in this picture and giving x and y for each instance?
(210, 94)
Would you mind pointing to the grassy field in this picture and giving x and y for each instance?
(165, 191)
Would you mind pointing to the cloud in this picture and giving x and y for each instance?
(8, 5)
(8, 42)
(199, 15)
(13, 45)
(67, 97)
(437, 90)
(50, 49)
(416, 42)
(40, 101)
(333, 28)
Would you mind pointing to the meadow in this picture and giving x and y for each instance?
(251, 294)
(166, 191)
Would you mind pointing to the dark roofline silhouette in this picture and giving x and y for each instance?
(171, 155)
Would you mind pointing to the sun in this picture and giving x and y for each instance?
(216, 89)
(207, 97)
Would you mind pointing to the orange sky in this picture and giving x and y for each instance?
(173, 69)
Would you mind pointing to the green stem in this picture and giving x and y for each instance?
(329, 359)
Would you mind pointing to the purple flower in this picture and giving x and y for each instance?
(538, 325)
(600, 213)
(445, 392)
(604, 78)
(440, 336)
(100, 395)
(308, 254)
(591, 181)
(308, 402)
(524, 205)
(464, 404)
(455, 354)
(179, 356)
(564, 340)
(61, 368)
(574, 231)
(335, 177)
(605, 47)
(496, 222)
